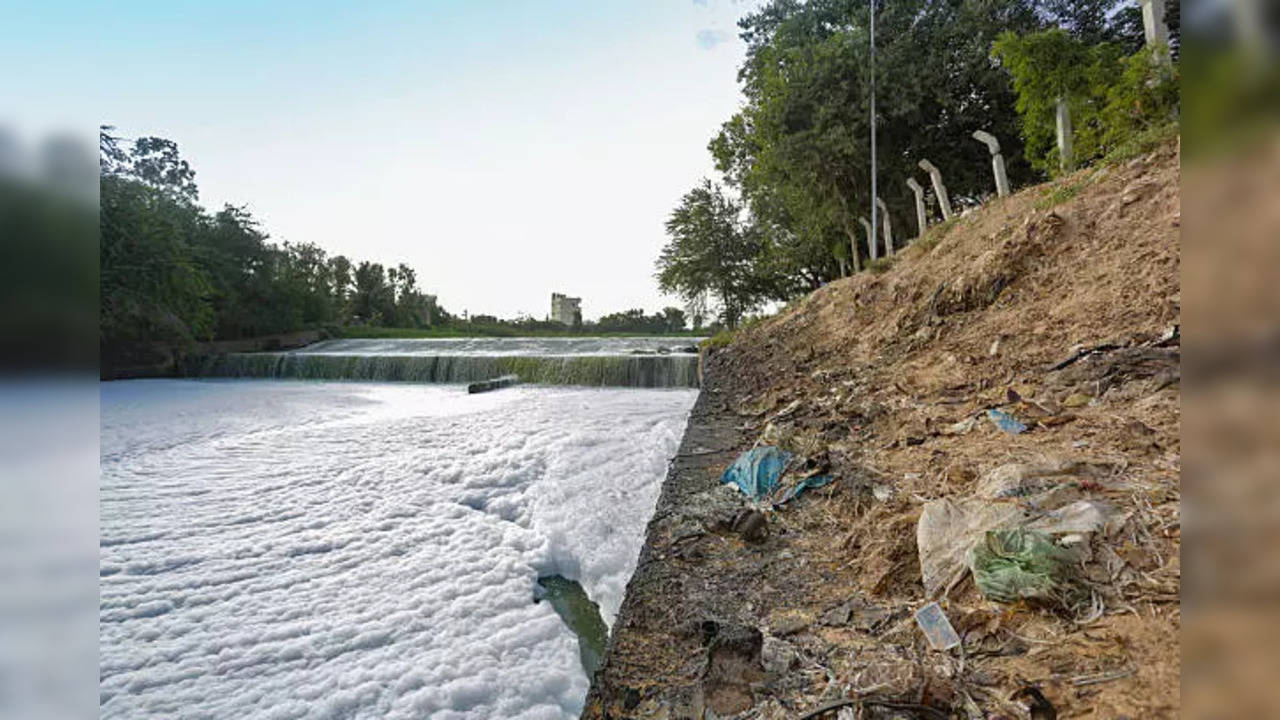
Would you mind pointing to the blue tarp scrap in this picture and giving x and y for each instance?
(1006, 422)
(756, 473)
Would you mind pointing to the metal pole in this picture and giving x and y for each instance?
(874, 196)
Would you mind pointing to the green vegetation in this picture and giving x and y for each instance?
(1112, 97)
(172, 273)
(880, 265)
(724, 338)
(1060, 193)
(1143, 142)
(794, 162)
(935, 234)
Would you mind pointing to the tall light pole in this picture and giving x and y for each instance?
(872, 249)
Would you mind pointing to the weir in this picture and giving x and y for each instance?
(388, 361)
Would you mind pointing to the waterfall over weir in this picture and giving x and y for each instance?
(617, 362)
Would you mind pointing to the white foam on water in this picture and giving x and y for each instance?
(341, 550)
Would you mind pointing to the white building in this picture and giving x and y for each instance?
(565, 309)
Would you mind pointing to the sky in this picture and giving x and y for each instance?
(505, 150)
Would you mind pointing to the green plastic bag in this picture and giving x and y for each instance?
(1020, 564)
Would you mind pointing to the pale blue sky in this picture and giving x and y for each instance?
(503, 149)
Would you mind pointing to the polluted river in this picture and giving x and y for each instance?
(343, 531)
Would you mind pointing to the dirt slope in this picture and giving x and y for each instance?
(875, 379)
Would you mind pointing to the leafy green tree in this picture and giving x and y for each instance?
(371, 296)
(798, 150)
(171, 273)
(1110, 96)
(340, 280)
(711, 252)
(674, 320)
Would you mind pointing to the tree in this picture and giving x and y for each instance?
(711, 252)
(798, 150)
(370, 298)
(1111, 97)
(171, 273)
(674, 319)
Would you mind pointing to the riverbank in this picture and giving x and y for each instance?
(1058, 307)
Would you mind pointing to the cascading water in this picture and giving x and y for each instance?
(618, 362)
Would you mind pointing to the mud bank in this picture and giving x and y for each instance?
(693, 581)
(1061, 314)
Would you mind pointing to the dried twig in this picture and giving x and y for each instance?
(1083, 680)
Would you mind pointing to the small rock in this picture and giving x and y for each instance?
(837, 616)
(790, 626)
(777, 656)
(752, 526)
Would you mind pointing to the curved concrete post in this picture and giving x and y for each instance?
(1153, 25)
(888, 229)
(1066, 156)
(935, 175)
(997, 160)
(871, 238)
(921, 220)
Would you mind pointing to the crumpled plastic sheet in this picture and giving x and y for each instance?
(758, 471)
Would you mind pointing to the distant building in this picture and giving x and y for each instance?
(565, 309)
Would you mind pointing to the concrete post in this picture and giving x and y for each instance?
(935, 175)
(871, 238)
(997, 160)
(1066, 157)
(1156, 30)
(888, 230)
(922, 221)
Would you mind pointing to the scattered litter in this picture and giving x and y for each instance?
(758, 473)
(962, 427)
(1021, 564)
(1040, 499)
(937, 628)
(757, 470)
(947, 529)
(1006, 422)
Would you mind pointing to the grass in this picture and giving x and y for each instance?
(721, 339)
(935, 234)
(1142, 143)
(880, 265)
(1059, 193)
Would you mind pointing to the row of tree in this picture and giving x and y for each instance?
(795, 159)
(171, 272)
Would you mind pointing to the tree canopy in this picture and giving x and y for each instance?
(796, 159)
(172, 273)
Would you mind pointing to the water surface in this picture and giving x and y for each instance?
(325, 550)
